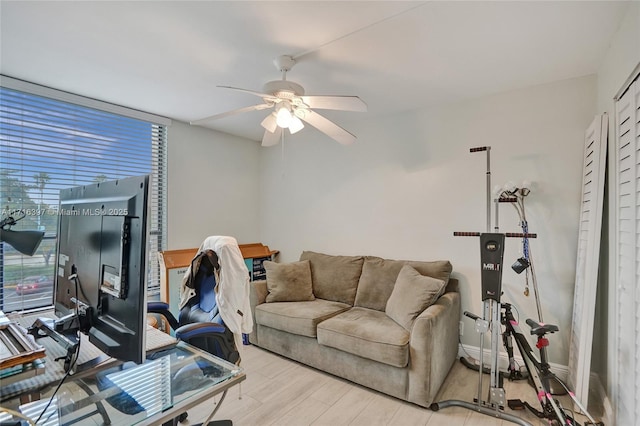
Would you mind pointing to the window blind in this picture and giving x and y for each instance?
(61, 140)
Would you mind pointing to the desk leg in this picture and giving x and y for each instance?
(99, 407)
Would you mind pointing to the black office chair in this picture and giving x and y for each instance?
(199, 322)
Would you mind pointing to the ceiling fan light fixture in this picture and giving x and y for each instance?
(283, 117)
(270, 122)
(296, 125)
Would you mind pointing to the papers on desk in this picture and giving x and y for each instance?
(17, 348)
(21, 372)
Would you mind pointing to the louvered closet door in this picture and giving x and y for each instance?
(588, 255)
(628, 257)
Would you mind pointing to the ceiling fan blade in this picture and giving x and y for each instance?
(264, 96)
(342, 103)
(271, 138)
(328, 127)
(232, 112)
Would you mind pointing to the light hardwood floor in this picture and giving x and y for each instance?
(279, 391)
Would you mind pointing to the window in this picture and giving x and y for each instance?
(50, 140)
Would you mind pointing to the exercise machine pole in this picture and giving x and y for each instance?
(492, 251)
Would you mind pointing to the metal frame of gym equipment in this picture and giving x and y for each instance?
(491, 253)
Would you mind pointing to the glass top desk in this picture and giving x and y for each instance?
(169, 383)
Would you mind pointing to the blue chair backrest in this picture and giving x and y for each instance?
(202, 307)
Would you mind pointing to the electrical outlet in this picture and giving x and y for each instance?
(461, 328)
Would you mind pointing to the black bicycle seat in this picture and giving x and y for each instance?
(540, 328)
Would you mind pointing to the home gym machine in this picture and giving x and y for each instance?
(491, 259)
(495, 315)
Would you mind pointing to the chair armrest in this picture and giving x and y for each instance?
(199, 329)
(162, 308)
(210, 337)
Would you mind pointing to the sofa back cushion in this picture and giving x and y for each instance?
(379, 277)
(334, 277)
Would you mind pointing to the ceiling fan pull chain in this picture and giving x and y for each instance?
(282, 153)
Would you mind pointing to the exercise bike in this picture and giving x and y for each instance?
(539, 371)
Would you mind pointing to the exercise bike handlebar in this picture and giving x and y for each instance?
(507, 234)
(471, 315)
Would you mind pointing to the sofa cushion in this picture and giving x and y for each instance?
(334, 277)
(412, 294)
(288, 282)
(367, 333)
(297, 317)
(376, 282)
(379, 277)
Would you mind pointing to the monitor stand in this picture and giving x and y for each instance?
(65, 332)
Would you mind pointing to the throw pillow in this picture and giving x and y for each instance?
(411, 295)
(289, 282)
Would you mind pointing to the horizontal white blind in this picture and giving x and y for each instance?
(48, 144)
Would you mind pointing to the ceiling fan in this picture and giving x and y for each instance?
(291, 107)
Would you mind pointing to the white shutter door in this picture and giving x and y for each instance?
(627, 257)
(584, 300)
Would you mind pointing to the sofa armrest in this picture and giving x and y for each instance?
(257, 296)
(433, 348)
(258, 293)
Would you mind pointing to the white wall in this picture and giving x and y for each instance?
(410, 182)
(213, 186)
(621, 58)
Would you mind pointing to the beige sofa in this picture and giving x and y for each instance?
(362, 318)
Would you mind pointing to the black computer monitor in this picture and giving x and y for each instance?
(102, 263)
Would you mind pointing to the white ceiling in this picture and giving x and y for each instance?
(166, 57)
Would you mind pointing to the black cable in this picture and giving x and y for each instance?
(463, 349)
(73, 362)
(54, 393)
(74, 271)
